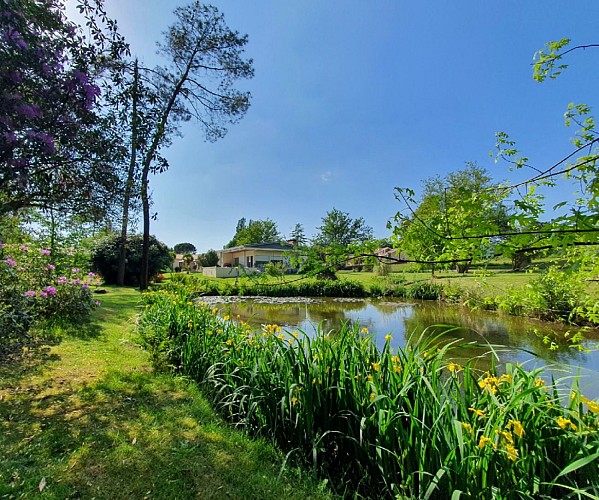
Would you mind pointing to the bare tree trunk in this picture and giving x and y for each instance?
(144, 279)
(120, 280)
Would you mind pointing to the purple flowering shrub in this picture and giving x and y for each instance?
(34, 293)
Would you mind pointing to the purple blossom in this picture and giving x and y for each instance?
(51, 290)
(10, 137)
(75, 281)
(12, 35)
(81, 77)
(45, 252)
(30, 111)
(10, 262)
(30, 293)
(43, 294)
(18, 162)
(91, 275)
(85, 285)
(25, 248)
(50, 267)
(62, 280)
(48, 145)
(91, 92)
(98, 303)
(14, 77)
(75, 270)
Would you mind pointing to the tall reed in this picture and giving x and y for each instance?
(383, 423)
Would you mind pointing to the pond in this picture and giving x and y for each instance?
(531, 343)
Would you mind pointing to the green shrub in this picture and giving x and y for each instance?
(424, 290)
(105, 258)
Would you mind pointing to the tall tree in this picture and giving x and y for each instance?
(206, 59)
(339, 239)
(257, 231)
(54, 146)
(298, 235)
(450, 220)
(339, 229)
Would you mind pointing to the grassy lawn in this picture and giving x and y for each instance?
(88, 418)
(490, 283)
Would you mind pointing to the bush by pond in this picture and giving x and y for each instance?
(198, 286)
(404, 423)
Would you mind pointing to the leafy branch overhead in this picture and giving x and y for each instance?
(465, 216)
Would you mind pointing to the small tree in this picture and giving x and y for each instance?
(339, 239)
(298, 235)
(208, 259)
(188, 260)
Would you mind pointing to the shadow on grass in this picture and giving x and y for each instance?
(133, 435)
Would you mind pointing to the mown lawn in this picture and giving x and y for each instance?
(88, 418)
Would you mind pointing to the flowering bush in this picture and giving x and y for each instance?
(34, 291)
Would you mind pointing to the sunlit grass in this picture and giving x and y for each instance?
(88, 418)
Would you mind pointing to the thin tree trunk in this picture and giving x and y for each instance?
(144, 279)
(120, 280)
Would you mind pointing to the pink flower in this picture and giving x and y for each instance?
(30, 293)
(98, 303)
(75, 270)
(85, 285)
(43, 294)
(91, 275)
(50, 267)
(45, 252)
(75, 281)
(10, 262)
(51, 290)
(25, 248)
(62, 280)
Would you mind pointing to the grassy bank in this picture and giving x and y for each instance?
(88, 418)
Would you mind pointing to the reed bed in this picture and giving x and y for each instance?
(400, 424)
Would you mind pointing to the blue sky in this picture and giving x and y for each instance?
(353, 98)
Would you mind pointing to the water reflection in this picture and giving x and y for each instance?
(522, 341)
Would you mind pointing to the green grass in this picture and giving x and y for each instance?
(89, 418)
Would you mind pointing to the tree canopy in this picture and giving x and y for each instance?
(184, 248)
(55, 147)
(256, 231)
(451, 219)
(339, 229)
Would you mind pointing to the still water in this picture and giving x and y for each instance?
(531, 343)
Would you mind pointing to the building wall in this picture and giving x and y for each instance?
(226, 272)
(260, 256)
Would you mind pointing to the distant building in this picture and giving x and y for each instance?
(255, 255)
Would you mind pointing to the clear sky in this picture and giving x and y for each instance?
(353, 98)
